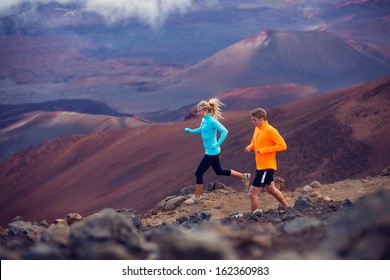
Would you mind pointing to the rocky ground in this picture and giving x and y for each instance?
(349, 219)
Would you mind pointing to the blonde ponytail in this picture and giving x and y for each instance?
(213, 106)
(216, 105)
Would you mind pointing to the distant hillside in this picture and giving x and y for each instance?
(170, 115)
(361, 21)
(10, 113)
(24, 125)
(266, 97)
(343, 134)
(241, 99)
(38, 127)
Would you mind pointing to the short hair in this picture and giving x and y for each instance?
(258, 113)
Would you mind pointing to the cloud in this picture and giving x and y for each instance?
(151, 12)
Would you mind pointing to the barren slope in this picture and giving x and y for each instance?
(38, 127)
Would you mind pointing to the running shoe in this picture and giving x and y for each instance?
(257, 212)
(192, 200)
(247, 181)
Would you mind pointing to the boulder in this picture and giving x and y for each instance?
(184, 244)
(363, 231)
(216, 186)
(107, 235)
(73, 217)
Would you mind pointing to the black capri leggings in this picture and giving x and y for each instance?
(205, 163)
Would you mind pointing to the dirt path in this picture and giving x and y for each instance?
(223, 202)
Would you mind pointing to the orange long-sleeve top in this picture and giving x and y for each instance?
(266, 141)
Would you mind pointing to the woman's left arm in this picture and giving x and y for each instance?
(224, 132)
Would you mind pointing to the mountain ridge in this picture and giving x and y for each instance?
(277, 54)
(27, 124)
(312, 58)
(39, 127)
(11, 112)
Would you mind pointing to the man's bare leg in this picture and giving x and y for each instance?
(273, 190)
(254, 197)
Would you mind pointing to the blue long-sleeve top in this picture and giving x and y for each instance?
(208, 130)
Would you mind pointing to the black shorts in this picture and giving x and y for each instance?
(263, 177)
